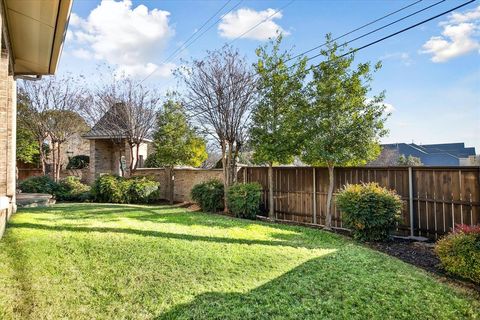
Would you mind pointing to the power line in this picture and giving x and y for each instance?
(361, 36)
(183, 47)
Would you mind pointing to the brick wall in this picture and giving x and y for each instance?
(7, 140)
(185, 179)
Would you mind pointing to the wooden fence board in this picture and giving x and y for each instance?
(442, 196)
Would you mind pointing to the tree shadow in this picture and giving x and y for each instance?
(333, 286)
(170, 235)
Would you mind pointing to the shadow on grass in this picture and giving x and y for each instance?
(177, 236)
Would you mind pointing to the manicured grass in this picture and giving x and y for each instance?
(90, 261)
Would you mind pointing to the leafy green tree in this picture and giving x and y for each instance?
(409, 161)
(176, 142)
(273, 133)
(27, 146)
(343, 123)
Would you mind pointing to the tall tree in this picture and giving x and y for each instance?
(220, 93)
(42, 99)
(175, 142)
(273, 132)
(342, 124)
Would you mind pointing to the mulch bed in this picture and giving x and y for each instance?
(421, 255)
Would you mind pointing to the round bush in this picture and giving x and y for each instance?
(109, 188)
(141, 190)
(40, 184)
(244, 199)
(71, 189)
(459, 252)
(370, 211)
(209, 195)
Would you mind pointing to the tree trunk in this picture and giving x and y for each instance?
(137, 156)
(271, 209)
(171, 184)
(42, 156)
(54, 161)
(59, 162)
(131, 166)
(328, 220)
(225, 174)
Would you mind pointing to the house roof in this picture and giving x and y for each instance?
(36, 32)
(111, 125)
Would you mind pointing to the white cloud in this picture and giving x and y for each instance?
(236, 23)
(130, 38)
(82, 54)
(404, 57)
(460, 36)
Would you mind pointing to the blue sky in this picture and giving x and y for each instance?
(431, 74)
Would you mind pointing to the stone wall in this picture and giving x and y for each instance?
(7, 140)
(184, 180)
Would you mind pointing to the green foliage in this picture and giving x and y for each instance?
(369, 210)
(71, 189)
(175, 142)
(141, 190)
(341, 125)
(78, 162)
(115, 189)
(40, 184)
(273, 132)
(410, 161)
(27, 146)
(209, 195)
(459, 252)
(244, 199)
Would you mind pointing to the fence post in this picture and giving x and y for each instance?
(410, 199)
(314, 198)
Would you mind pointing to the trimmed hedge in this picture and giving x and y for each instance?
(209, 195)
(115, 189)
(370, 211)
(244, 199)
(459, 252)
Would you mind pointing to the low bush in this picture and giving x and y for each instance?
(459, 252)
(244, 199)
(71, 189)
(370, 211)
(142, 190)
(40, 184)
(209, 195)
(115, 189)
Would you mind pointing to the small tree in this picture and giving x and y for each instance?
(409, 161)
(175, 142)
(273, 132)
(341, 125)
(27, 146)
(221, 92)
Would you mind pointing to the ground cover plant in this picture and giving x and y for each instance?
(106, 261)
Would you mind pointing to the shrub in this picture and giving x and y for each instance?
(141, 190)
(209, 195)
(78, 162)
(369, 210)
(115, 189)
(71, 189)
(459, 252)
(108, 188)
(41, 184)
(244, 199)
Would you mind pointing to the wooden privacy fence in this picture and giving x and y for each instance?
(436, 198)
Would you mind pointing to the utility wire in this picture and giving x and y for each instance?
(183, 47)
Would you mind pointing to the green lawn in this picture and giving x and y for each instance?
(90, 261)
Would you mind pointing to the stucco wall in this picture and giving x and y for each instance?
(185, 179)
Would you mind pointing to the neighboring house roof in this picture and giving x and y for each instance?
(111, 126)
(446, 154)
(36, 31)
